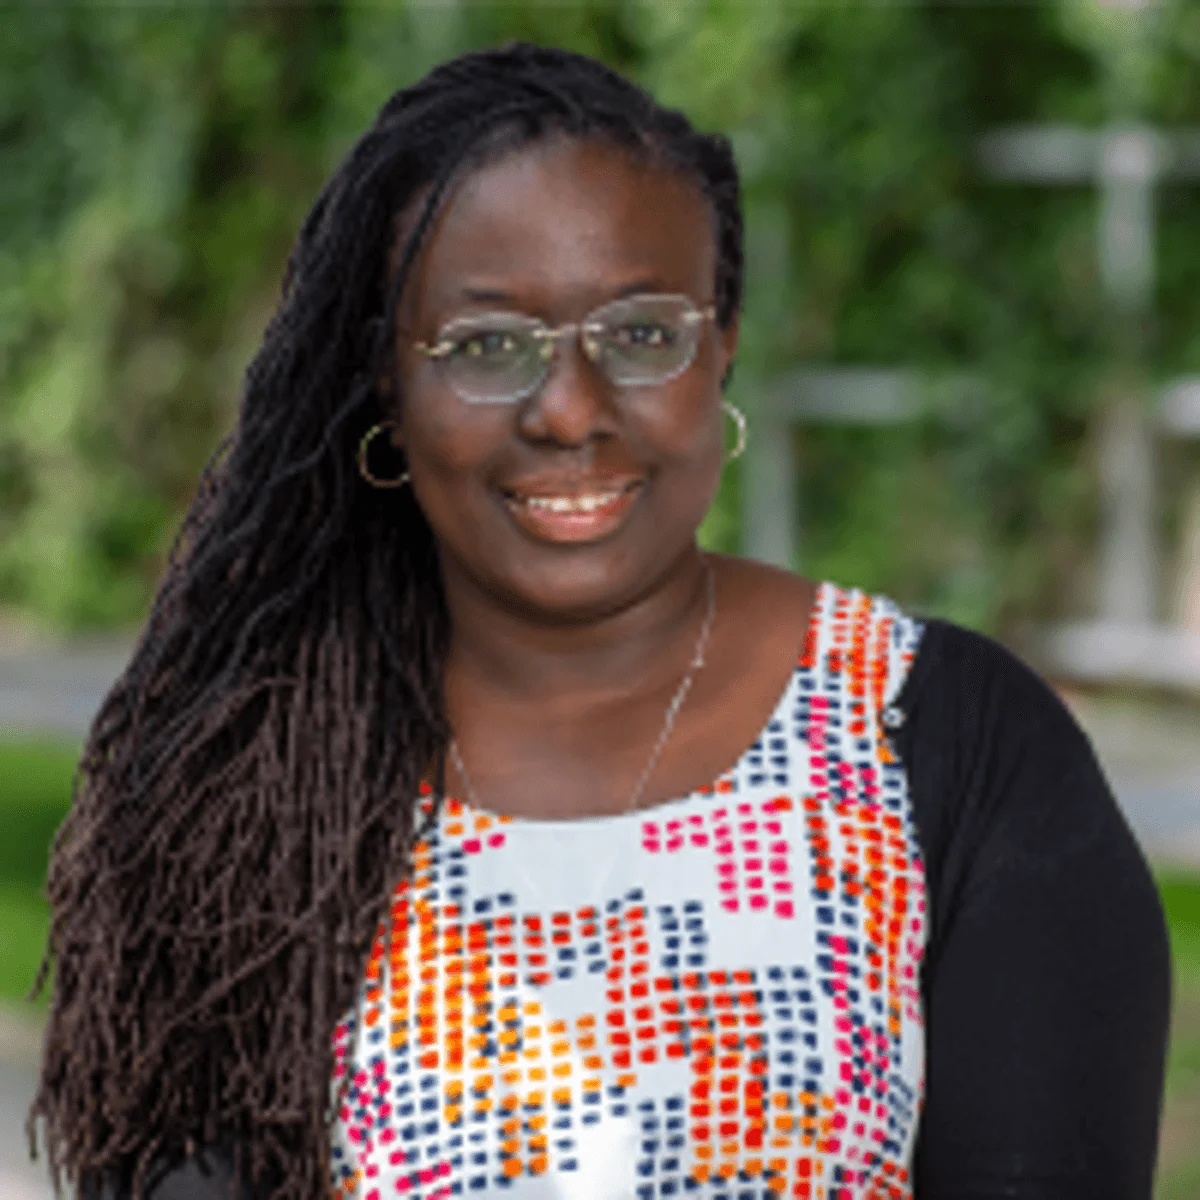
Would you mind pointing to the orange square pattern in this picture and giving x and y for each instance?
(463, 1071)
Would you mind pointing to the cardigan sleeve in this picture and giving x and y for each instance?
(1046, 977)
(207, 1175)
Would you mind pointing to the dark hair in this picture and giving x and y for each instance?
(246, 802)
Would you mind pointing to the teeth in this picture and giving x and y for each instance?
(572, 504)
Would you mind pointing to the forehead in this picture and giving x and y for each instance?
(562, 223)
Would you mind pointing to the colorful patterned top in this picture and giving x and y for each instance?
(906, 947)
(717, 995)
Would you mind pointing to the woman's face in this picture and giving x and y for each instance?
(553, 231)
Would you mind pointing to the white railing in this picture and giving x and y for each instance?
(1128, 639)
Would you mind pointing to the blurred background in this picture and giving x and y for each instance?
(971, 349)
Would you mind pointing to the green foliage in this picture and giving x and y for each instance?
(1179, 1163)
(136, 297)
(1181, 902)
(35, 795)
(165, 157)
(24, 923)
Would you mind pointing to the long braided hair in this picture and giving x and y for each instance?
(247, 798)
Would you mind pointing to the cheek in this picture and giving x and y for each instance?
(685, 444)
(442, 440)
(684, 429)
(688, 421)
(447, 456)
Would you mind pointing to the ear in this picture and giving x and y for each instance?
(387, 390)
(389, 411)
(384, 381)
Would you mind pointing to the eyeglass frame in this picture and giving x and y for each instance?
(550, 335)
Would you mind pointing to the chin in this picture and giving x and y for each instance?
(577, 591)
(586, 583)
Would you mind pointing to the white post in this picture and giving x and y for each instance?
(1129, 557)
(1128, 572)
(770, 514)
(769, 489)
(1130, 164)
(1127, 163)
(1187, 585)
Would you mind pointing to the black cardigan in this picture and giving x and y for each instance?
(1046, 979)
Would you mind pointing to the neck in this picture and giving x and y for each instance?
(510, 653)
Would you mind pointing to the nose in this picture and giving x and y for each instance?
(574, 402)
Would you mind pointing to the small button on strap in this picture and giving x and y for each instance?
(892, 717)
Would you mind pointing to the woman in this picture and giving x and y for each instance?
(459, 827)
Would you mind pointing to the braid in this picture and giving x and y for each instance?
(246, 802)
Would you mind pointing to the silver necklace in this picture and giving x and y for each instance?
(673, 708)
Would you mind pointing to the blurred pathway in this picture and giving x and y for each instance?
(1151, 755)
(20, 1179)
(1150, 752)
(54, 691)
(57, 689)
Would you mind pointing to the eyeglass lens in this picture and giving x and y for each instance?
(496, 358)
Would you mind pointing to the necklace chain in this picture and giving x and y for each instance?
(672, 712)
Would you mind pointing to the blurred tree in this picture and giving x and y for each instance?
(165, 156)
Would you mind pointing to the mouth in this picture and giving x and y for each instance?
(576, 516)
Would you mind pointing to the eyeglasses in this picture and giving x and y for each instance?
(502, 357)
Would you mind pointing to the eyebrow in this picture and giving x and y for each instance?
(488, 295)
(484, 296)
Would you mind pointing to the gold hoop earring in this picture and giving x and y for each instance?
(740, 419)
(365, 471)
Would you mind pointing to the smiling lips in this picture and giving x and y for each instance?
(581, 514)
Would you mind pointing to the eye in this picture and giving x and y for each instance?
(644, 333)
(485, 343)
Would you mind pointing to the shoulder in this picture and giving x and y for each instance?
(754, 589)
(781, 620)
(957, 691)
(1002, 780)
(995, 762)
(866, 636)
(967, 694)
(981, 728)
